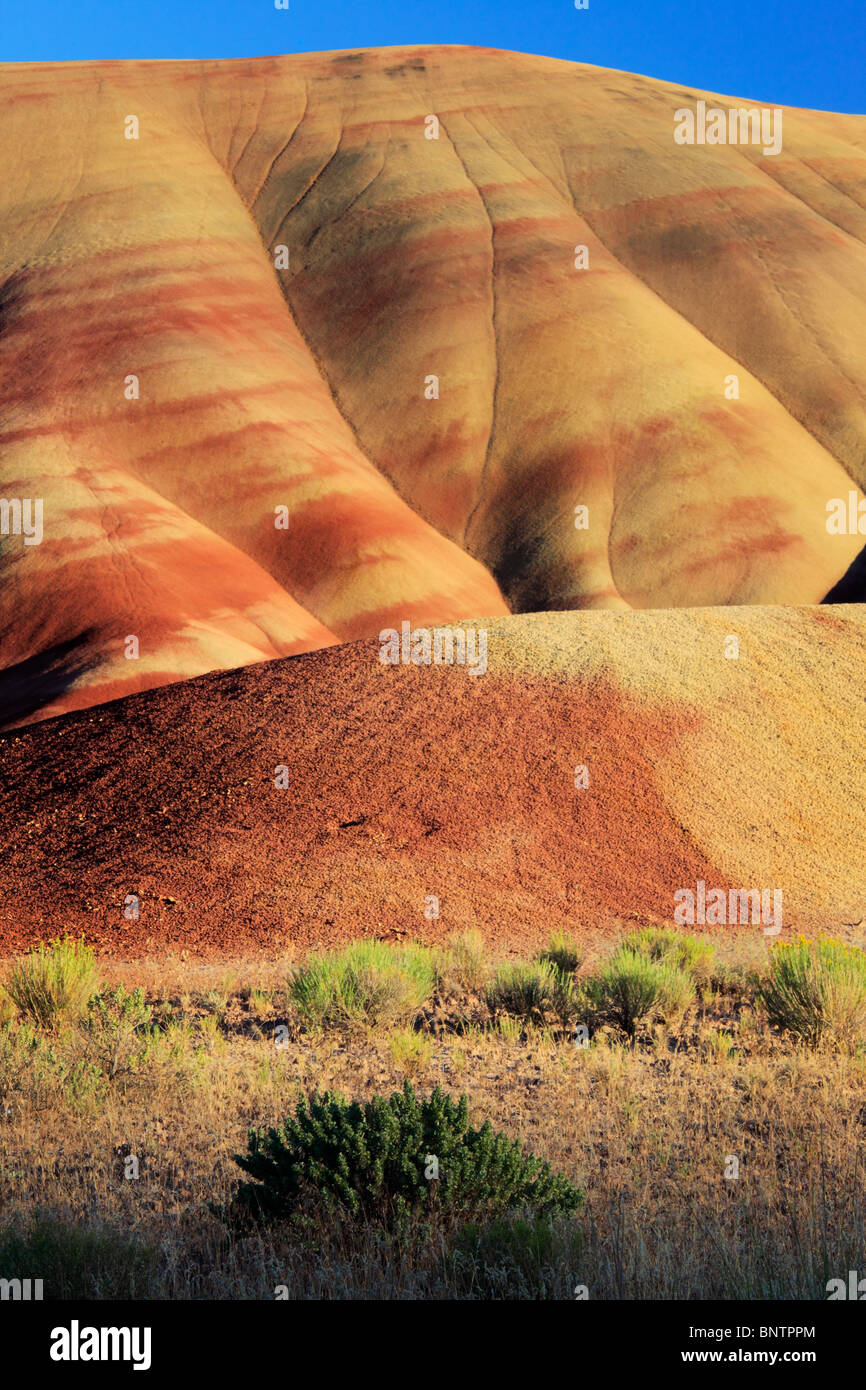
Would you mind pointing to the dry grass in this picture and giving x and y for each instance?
(647, 1130)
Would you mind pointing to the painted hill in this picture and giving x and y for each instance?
(173, 383)
(329, 796)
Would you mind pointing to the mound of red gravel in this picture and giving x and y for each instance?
(328, 796)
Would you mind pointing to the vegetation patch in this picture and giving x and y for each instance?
(53, 983)
(75, 1260)
(816, 990)
(370, 982)
(632, 988)
(388, 1159)
(692, 954)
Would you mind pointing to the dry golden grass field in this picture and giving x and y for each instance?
(647, 1126)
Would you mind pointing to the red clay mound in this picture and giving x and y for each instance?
(404, 782)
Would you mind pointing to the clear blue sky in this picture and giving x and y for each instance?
(794, 52)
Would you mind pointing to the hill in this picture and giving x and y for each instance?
(219, 340)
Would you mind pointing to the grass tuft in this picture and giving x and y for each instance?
(367, 983)
(563, 953)
(525, 989)
(53, 983)
(411, 1052)
(632, 988)
(463, 964)
(690, 953)
(816, 990)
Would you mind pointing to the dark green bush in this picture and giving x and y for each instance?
(375, 1162)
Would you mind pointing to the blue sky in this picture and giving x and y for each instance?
(795, 52)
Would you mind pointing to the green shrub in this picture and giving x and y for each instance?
(563, 953)
(530, 990)
(692, 954)
(53, 983)
(525, 988)
(463, 963)
(734, 980)
(388, 1159)
(30, 1070)
(117, 1029)
(631, 988)
(817, 991)
(369, 982)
